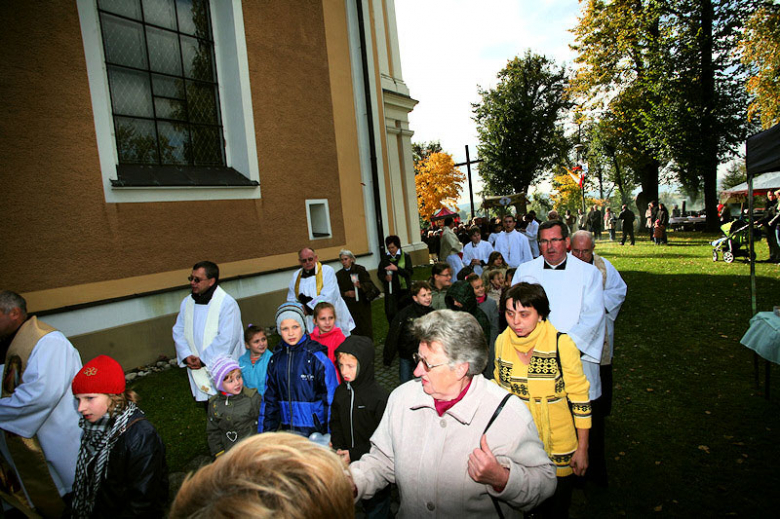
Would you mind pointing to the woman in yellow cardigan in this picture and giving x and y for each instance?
(543, 368)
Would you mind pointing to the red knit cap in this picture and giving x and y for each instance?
(100, 375)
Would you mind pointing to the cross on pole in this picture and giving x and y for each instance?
(468, 164)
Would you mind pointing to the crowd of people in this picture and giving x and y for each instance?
(525, 312)
(462, 248)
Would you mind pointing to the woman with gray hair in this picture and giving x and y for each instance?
(358, 291)
(454, 443)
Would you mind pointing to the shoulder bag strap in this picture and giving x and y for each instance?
(490, 422)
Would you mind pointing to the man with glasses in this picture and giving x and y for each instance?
(208, 326)
(513, 245)
(582, 247)
(316, 283)
(576, 296)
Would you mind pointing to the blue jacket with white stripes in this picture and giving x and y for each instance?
(299, 389)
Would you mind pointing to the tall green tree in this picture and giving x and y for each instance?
(698, 119)
(609, 145)
(735, 174)
(760, 47)
(519, 124)
(616, 45)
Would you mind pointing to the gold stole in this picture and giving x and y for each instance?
(27, 454)
(318, 280)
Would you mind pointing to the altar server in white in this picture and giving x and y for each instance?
(615, 289)
(582, 247)
(208, 326)
(40, 433)
(314, 283)
(531, 232)
(477, 252)
(513, 245)
(576, 296)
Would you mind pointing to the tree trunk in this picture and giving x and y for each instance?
(648, 178)
(709, 137)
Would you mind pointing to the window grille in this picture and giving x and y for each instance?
(163, 82)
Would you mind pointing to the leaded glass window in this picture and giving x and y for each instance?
(163, 81)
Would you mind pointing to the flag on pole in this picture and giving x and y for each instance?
(577, 174)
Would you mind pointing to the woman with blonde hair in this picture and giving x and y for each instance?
(269, 475)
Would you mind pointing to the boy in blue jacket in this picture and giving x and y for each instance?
(300, 381)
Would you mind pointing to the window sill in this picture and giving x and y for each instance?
(136, 176)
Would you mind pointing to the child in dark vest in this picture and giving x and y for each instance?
(358, 405)
(233, 411)
(121, 469)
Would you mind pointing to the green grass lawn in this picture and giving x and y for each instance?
(689, 433)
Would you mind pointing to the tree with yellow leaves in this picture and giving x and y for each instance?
(567, 194)
(438, 183)
(760, 48)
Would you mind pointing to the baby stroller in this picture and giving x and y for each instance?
(731, 245)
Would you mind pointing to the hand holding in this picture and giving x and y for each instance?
(193, 362)
(483, 467)
(344, 455)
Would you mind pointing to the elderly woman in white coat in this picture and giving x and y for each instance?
(443, 439)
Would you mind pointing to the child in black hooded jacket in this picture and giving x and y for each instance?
(358, 405)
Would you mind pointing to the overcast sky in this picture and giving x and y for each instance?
(450, 47)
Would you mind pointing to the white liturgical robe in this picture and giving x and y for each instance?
(614, 294)
(531, 232)
(480, 251)
(514, 248)
(576, 308)
(329, 293)
(216, 330)
(42, 405)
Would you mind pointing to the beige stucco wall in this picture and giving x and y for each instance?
(63, 245)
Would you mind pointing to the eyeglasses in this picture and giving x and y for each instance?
(306, 260)
(196, 280)
(419, 358)
(553, 241)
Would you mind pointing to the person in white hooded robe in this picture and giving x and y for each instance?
(208, 326)
(316, 283)
(576, 296)
(40, 434)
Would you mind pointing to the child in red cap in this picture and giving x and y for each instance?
(121, 468)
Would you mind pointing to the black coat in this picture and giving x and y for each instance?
(405, 273)
(360, 309)
(357, 406)
(400, 338)
(136, 483)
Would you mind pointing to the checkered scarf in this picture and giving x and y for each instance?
(96, 444)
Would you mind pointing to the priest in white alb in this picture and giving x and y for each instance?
(576, 296)
(314, 283)
(512, 245)
(208, 326)
(39, 425)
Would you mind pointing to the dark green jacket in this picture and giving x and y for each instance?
(231, 419)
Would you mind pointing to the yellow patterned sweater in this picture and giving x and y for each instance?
(546, 388)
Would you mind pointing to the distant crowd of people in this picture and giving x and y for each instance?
(504, 355)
